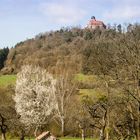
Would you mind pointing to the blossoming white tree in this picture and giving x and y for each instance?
(34, 95)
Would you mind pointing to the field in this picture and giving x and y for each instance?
(76, 139)
(85, 78)
(6, 80)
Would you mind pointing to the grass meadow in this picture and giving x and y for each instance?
(6, 80)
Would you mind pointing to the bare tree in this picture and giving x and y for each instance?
(129, 78)
(82, 118)
(34, 95)
(66, 88)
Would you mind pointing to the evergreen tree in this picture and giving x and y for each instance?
(3, 56)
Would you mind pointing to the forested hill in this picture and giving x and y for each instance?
(82, 50)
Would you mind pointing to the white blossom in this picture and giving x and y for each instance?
(34, 95)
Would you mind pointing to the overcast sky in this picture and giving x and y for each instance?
(22, 19)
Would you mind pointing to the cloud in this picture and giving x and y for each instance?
(123, 13)
(62, 13)
(125, 10)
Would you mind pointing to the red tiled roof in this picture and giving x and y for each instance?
(96, 22)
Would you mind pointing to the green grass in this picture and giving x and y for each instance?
(90, 92)
(85, 78)
(18, 138)
(6, 80)
(72, 138)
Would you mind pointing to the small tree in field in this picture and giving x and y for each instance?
(34, 95)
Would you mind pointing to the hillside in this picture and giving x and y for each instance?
(98, 80)
(70, 47)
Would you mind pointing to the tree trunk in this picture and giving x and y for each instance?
(63, 126)
(138, 107)
(83, 134)
(107, 135)
(104, 122)
(3, 127)
(137, 132)
(102, 137)
(35, 132)
(107, 126)
(138, 123)
(3, 137)
(106, 116)
(22, 137)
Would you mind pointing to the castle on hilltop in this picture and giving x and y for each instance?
(93, 24)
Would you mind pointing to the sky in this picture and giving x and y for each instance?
(23, 19)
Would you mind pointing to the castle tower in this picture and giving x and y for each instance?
(93, 24)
